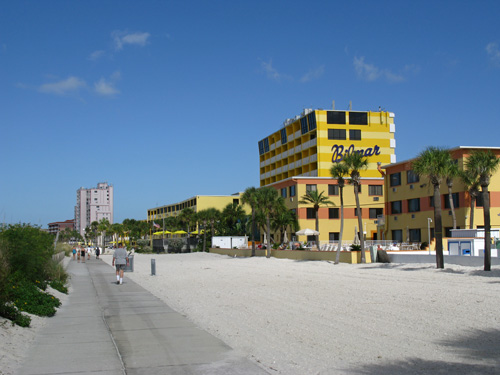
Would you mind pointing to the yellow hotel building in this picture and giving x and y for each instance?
(298, 157)
(197, 203)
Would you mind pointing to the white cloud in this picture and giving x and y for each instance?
(106, 87)
(70, 84)
(96, 55)
(370, 72)
(122, 38)
(270, 71)
(313, 74)
(493, 52)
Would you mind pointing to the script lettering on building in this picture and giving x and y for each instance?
(339, 152)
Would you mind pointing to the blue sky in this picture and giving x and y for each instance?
(168, 99)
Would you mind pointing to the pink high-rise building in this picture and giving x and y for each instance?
(93, 205)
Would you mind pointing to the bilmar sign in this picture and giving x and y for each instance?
(339, 151)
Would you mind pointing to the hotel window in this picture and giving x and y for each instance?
(415, 235)
(356, 211)
(291, 191)
(358, 118)
(333, 189)
(283, 136)
(395, 179)
(266, 144)
(311, 188)
(397, 235)
(311, 118)
(355, 135)
(375, 190)
(396, 207)
(283, 192)
(376, 212)
(335, 117)
(456, 203)
(412, 177)
(431, 201)
(333, 236)
(303, 125)
(337, 134)
(333, 213)
(311, 214)
(479, 200)
(261, 147)
(414, 205)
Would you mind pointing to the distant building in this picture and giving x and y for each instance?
(59, 226)
(197, 203)
(298, 157)
(93, 205)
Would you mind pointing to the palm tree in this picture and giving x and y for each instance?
(433, 163)
(250, 197)
(450, 174)
(339, 171)
(483, 164)
(471, 182)
(187, 217)
(103, 228)
(213, 217)
(266, 203)
(203, 218)
(317, 200)
(355, 162)
(282, 219)
(232, 216)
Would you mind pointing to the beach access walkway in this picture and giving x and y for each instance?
(109, 329)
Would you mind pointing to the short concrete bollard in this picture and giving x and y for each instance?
(153, 267)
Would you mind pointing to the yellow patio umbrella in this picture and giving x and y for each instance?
(179, 232)
(200, 232)
(157, 233)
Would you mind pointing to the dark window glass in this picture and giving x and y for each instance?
(311, 213)
(311, 118)
(291, 191)
(266, 145)
(335, 117)
(333, 236)
(336, 134)
(261, 147)
(333, 189)
(376, 212)
(397, 235)
(375, 190)
(414, 235)
(311, 188)
(283, 136)
(395, 179)
(412, 177)
(355, 135)
(356, 211)
(358, 118)
(333, 213)
(414, 205)
(283, 192)
(303, 125)
(456, 203)
(431, 201)
(480, 200)
(396, 207)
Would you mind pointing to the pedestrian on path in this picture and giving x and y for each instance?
(82, 252)
(74, 252)
(120, 258)
(97, 252)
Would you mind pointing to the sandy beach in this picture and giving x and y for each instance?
(306, 317)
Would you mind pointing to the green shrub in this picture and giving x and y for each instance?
(12, 313)
(28, 297)
(28, 250)
(59, 286)
(67, 248)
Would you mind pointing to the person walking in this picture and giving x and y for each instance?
(82, 251)
(120, 258)
(74, 252)
(97, 252)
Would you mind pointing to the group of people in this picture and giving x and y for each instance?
(120, 258)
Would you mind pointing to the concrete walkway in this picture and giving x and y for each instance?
(109, 329)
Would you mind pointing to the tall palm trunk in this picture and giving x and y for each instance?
(487, 228)
(452, 207)
(254, 229)
(472, 207)
(316, 209)
(360, 223)
(268, 229)
(438, 227)
(339, 247)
